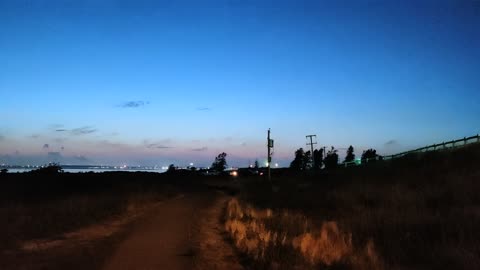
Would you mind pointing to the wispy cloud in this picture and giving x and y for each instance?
(157, 146)
(46, 146)
(201, 149)
(204, 109)
(243, 144)
(83, 130)
(134, 104)
(61, 130)
(34, 136)
(391, 142)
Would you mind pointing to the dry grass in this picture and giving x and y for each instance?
(420, 212)
(286, 240)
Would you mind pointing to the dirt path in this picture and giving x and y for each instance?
(183, 233)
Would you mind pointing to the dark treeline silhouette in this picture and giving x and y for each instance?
(350, 155)
(331, 159)
(370, 155)
(328, 160)
(220, 163)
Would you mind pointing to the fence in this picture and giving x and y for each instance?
(434, 147)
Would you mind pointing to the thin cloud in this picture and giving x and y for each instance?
(61, 130)
(204, 109)
(157, 146)
(391, 142)
(243, 144)
(201, 149)
(46, 146)
(83, 130)
(2, 137)
(134, 104)
(34, 136)
(160, 144)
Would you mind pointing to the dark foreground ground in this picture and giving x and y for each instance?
(111, 221)
(417, 212)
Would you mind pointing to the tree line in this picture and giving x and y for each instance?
(329, 160)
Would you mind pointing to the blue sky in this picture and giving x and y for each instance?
(156, 82)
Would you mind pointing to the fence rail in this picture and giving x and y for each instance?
(434, 147)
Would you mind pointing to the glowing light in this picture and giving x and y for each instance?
(234, 173)
(276, 164)
(191, 163)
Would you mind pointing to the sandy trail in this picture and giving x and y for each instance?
(183, 233)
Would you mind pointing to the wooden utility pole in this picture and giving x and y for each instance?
(269, 154)
(311, 147)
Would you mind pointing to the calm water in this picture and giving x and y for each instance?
(96, 170)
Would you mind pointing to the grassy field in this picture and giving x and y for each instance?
(418, 212)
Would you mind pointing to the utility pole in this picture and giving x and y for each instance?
(311, 147)
(269, 154)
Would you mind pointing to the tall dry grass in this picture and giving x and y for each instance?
(419, 212)
(285, 240)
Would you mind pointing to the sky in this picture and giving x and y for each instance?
(160, 82)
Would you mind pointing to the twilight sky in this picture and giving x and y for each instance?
(160, 82)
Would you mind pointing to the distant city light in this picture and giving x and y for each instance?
(276, 164)
(191, 164)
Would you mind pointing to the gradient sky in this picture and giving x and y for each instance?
(156, 82)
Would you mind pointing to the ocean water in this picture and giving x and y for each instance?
(84, 170)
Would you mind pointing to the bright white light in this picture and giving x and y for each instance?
(191, 164)
(276, 164)
(266, 164)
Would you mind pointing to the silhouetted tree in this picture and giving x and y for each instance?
(331, 159)
(171, 168)
(350, 155)
(307, 160)
(220, 163)
(51, 168)
(318, 159)
(298, 163)
(256, 164)
(369, 155)
(3, 171)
